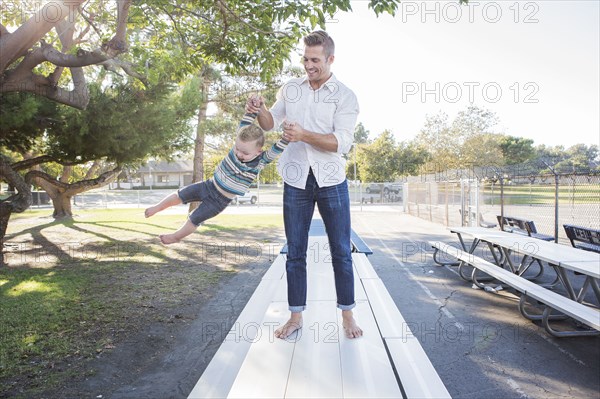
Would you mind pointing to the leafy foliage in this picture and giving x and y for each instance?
(516, 149)
(123, 124)
(23, 120)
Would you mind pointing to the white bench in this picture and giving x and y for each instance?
(320, 362)
(584, 314)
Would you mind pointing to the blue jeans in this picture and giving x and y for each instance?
(334, 206)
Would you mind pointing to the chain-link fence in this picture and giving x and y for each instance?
(479, 196)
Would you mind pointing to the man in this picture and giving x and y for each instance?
(318, 113)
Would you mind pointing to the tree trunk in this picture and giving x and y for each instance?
(61, 193)
(62, 206)
(5, 211)
(198, 173)
(15, 203)
(66, 173)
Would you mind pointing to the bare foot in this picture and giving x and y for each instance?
(151, 211)
(168, 239)
(351, 329)
(293, 324)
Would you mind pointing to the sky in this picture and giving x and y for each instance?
(534, 63)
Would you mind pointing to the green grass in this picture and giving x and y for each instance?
(525, 195)
(73, 289)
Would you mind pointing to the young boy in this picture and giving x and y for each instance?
(232, 177)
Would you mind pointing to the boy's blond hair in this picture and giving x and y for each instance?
(250, 133)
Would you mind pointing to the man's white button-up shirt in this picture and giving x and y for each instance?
(333, 108)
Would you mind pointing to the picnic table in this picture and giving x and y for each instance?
(560, 257)
(563, 259)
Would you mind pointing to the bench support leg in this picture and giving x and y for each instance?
(439, 263)
(523, 267)
(547, 316)
(595, 287)
(531, 316)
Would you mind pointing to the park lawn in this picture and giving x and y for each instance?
(75, 289)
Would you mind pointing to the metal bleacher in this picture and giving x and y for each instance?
(319, 361)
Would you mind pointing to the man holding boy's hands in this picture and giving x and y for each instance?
(318, 114)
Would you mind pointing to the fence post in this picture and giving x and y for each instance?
(556, 184)
(430, 202)
(462, 202)
(501, 201)
(446, 198)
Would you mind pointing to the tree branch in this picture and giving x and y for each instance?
(118, 44)
(22, 200)
(114, 64)
(223, 6)
(28, 163)
(40, 85)
(83, 58)
(65, 32)
(33, 30)
(3, 31)
(79, 186)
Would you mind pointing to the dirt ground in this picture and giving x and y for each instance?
(165, 315)
(165, 359)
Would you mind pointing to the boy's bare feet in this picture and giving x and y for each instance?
(293, 324)
(351, 329)
(151, 211)
(168, 239)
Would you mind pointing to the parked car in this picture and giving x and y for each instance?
(386, 187)
(249, 197)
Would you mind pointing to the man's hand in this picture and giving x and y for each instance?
(255, 104)
(293, 132)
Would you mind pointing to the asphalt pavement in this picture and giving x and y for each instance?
(478, 341)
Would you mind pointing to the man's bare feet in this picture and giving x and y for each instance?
(168, 239)
(150, 211)
(351, 329)
(293, 324)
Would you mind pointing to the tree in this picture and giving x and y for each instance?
(437, 139)
(241, 35)
(482, 149)
(580, 158)
(464, 142)
(516, 150)
(412, 157)
(551, 154)
(121, 125)
(380, 160)
(361, 134)
(22, 58)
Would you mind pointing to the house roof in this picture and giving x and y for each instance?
(177, 166)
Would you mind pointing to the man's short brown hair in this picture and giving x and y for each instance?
(320, 38)
(250, 133)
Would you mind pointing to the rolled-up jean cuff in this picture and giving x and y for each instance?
(297, 309)
(346, 307)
